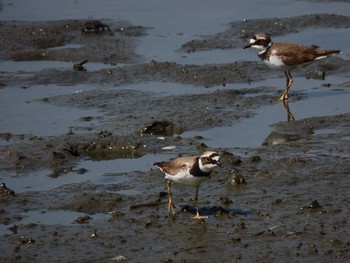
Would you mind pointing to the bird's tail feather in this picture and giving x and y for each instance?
(326, 53)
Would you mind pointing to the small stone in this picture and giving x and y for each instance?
(226, 200)
(94, 235)
(236, 178)
(229, 158)
(83, 219)
(317, 74)
(119, 258)
(170, 147)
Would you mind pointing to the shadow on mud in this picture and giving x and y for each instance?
(215, 210)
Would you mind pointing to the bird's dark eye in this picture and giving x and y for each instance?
(207, 160)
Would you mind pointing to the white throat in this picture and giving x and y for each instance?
(259, 47)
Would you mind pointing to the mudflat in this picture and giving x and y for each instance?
(286, 199)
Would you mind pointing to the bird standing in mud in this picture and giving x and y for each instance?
(189, 171)
(287, 56)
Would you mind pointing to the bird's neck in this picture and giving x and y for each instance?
(263, 54)
(199, 169)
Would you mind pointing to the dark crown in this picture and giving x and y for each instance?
(262, 39)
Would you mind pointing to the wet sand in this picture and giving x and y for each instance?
(294, 204)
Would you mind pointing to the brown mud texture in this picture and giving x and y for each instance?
(286, 201)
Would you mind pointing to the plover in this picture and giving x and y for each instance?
(189, 171)
(286, 56)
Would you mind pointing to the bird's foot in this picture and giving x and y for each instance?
(199, 217)
(171, 208)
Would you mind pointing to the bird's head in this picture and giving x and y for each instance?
(259, 41)
(209, 160)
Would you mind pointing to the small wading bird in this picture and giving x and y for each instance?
(189, 171)
(286, 56)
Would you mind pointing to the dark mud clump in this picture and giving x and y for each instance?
(166, 128)
(63, 152)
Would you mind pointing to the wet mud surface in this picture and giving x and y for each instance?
(65, 41)
(286, 199)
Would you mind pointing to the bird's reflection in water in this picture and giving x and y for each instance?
(290, 116)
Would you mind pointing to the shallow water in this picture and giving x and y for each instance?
(195, 18)
(26, 114)
(97, 172)
(251, 132)
(41, 180)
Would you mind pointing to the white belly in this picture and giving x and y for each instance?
(275, 62)
(185, 178)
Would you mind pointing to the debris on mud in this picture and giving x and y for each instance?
(80, 66)
(4, 190)
(313, 205)
(94, 26)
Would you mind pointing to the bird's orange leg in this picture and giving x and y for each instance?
(290, 114)
(171, 207)
(197, 208)
(289, 84)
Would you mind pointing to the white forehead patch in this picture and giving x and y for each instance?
(252, 40)
(216, 158)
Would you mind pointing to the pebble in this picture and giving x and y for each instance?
(119, 258)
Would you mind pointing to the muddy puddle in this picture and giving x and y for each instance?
(171, 79)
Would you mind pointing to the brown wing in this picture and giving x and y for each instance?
(173, 166)
(301, 54)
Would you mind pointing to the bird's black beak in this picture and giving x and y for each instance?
(248, 46)
(219, 164)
